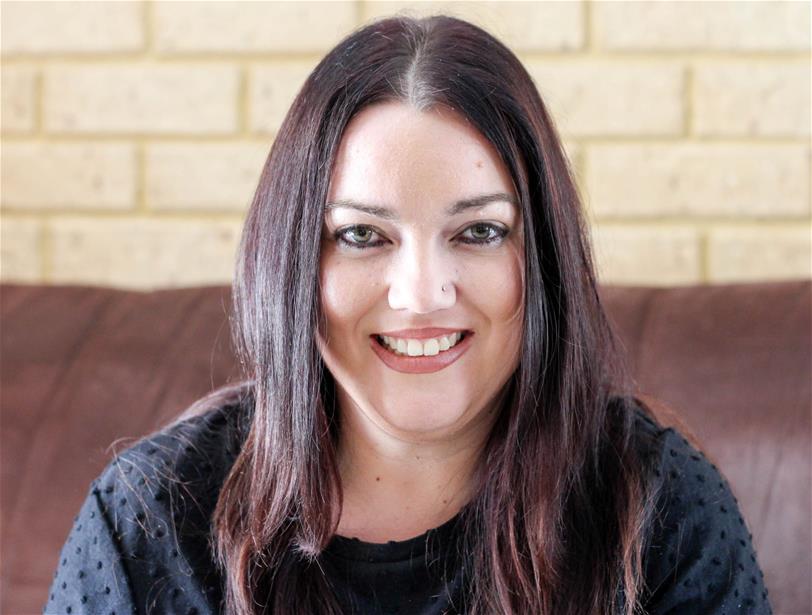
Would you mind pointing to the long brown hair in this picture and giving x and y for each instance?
(562, 500)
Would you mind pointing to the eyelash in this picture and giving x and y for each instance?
(501, 233)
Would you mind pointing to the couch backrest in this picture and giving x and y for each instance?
(735, 361)
(87, 370)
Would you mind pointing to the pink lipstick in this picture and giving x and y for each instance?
(421, 364)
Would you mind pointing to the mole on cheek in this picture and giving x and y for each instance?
(479, 164)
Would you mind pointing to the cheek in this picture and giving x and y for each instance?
(498, 289)
(506, 313)
(347, 291)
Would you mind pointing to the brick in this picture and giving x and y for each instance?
(754, 98)
(80, 176)
(143, 253)
(697, 26)
(701, 180)
(607, 98)
(71, 27)
(203, 176)
(252, 26)
(272, 88)
(141, 98)
(647, 255)
(522, 26)
(18, 111)
(20, 250)
(760, 253)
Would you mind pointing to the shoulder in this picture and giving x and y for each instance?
(146, 520)
(699, 556)
(173, 475)
(196, 450)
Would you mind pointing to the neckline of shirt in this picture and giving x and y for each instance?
(429, 542)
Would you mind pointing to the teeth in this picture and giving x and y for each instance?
(417, 348)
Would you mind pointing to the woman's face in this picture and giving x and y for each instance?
(417, 165)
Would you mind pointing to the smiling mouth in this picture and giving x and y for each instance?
(440, 350)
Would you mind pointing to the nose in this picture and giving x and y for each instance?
(417, 278)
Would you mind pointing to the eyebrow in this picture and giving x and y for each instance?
(477, 202)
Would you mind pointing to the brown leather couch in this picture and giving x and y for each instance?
(86, 370)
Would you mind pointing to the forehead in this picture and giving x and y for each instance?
(393, 154)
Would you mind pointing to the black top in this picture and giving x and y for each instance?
(139, 547)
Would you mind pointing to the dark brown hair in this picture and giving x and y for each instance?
(562, 500)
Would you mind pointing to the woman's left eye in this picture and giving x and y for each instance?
(483, 233)
(499, 233)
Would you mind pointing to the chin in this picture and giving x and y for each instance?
(427, 421)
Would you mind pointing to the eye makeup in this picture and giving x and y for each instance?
(496, 235)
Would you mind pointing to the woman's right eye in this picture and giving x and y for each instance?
(360, 231)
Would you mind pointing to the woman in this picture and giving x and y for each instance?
(438, 418)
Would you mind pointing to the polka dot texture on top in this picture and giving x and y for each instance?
(700, 558)
(139, 544)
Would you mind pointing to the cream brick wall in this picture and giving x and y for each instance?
(133, 133)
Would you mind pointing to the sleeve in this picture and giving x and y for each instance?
(90, 577)
(700, 559)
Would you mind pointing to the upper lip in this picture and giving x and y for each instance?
(421, 334)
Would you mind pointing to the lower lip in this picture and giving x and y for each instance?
(422, 364)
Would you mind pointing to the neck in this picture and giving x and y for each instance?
(397, 487)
